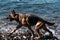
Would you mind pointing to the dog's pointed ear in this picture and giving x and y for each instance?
(13, 11)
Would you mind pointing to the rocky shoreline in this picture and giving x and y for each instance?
(23, 36)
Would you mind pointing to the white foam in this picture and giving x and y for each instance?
(46, 33)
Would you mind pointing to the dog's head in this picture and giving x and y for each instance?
(11, 17)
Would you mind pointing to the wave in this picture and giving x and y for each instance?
(31, 1)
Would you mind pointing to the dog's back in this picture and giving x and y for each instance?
(33, 19)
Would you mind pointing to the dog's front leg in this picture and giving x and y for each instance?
(18, 26)
(32, 32)
(12, 31)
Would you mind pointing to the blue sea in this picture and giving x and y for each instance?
(48, 10)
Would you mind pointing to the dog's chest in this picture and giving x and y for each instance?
(22, 19)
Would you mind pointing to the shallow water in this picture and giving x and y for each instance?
(49, 11)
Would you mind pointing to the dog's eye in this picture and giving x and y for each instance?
(9, 15)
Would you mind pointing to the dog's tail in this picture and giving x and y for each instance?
(51, 24)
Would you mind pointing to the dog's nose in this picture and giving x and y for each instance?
(7, 18)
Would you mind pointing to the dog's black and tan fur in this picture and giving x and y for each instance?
(29, 20)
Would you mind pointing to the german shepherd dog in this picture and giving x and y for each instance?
(29, 20)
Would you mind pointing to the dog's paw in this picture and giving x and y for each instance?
(32, 36)
(37, 38)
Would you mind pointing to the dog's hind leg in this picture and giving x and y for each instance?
(45, 28)
(39, 35)
(37, 27)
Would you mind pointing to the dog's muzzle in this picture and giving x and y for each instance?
(8, 19)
